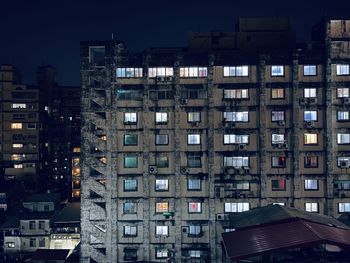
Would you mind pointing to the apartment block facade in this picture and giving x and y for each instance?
(174, 140)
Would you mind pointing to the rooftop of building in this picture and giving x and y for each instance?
(70, 213)
(43, 197)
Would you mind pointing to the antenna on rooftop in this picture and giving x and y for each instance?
(112, 35)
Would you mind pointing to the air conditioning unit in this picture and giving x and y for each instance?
(220, 217)
(313, 101)
(160, 79)
(183, 170)
(153, 169)
(281, 123)
(229, 170)
(346, 101)
(184, 101)
(309, 124)
(246, 169)
(184, 229)
(344, 164)
(241, 146)
(168, 78)
(303, 101)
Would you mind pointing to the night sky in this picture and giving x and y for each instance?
(36, 32)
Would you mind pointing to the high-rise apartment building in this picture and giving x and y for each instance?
(176, 139)
(20, 157)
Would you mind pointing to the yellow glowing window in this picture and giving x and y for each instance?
(162, 207)
(76, 149)
(16, 125)
(310, 138)
(277, 93)
(17, 145)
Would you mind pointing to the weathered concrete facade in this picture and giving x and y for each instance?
(174, 140)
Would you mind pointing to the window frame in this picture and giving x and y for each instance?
(313, 73)
(306, 163)
(281, 184)
(157, 234)
(340, 70)
(134, 189)
(195, 158)
(129, 119)
(305, 136)
(193, 117)
(194, 188)
(193, 139)
(159, 182)
(128, 211)
(160, 209)
(278, 89)
(309, 184)
(129, 233)
(233, 71)
(312, 204)
(280, 164)
(236, 207)
(195, 210)
(277, 74)
(157, 139)
(131, 156)
(133, 136)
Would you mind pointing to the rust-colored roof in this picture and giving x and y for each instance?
(258, 240)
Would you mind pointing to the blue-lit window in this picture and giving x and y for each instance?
(310, 70)
(236, 71)
(240, 116)
(342, 70)
(277, 71)
(129, 72)
(130, 185)
(343, 115)
(310, 115)
(236, 161)
(160, 72)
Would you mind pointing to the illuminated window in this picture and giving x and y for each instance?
(236, 139)
(130, 139)
(310, 115)
(311, 161)
(130, 162)
(277, 138)
(161, 117)
(277, 93)
(76, 149)
(162, 207)
(344, 207)
(311, 184)
(236, 71)
(278, 161)
(277, 115)
(310, 138)
(18, 105)
(10, 244)
(129, 72)
(194, 253)
(240, 116)
(162, 139)
(194, 230)
(130, 117)
(17, 145)
(18, 166)
(343, 116)
(343, 138)
(236, 161)
(129, 207)
(162, 231)
(16, 125)
(277, 71)
(130, 231)
(310, 70)
(342, 92)
(236, 93)
(236, 207)
(162, 253)
(193, 72)
(18, 157)
(342, 70)
(193, 116)
(311, 207)
(130, 185)
(242, 185)
(162, 185)
(278, 185)
(310, 93)
(195, 207)
(160, 72)
(342, 184)
(194, 184)
(193, 139)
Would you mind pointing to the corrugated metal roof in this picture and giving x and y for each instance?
(248, 242)
(273, 213)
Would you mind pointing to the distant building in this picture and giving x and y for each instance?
(20, 148)
(175, 139)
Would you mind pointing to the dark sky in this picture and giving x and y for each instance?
(37, 32)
